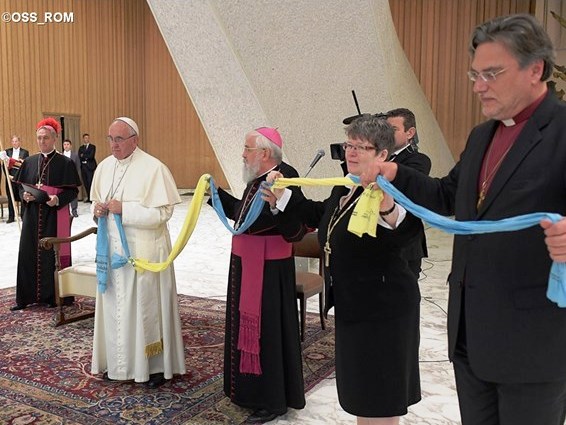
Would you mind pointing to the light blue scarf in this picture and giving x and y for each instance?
(102, 247)
(556, 291)
(255, 209)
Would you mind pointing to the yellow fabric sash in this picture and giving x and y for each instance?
(364, 217)
(186, 230)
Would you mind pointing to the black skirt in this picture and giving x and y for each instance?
(377, 365)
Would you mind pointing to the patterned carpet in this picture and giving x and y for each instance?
(45, 371)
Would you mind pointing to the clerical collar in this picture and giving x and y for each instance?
(45, 155)
(525, 114)
(267, 172)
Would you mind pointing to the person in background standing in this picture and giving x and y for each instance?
(87, 155)
(14, 157)
(70, 153)
(405, 152)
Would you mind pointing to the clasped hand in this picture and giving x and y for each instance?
(102, 209)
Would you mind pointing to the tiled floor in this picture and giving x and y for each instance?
(202, 270)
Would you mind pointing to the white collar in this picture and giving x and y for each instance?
(397, 152)
(48, 153)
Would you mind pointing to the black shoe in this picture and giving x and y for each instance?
(10, 220)
(261, 416)
(106, 378)
(156, 380)
(17, 307)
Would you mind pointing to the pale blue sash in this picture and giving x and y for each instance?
(255, 209)
(102, 247)
(556, 291)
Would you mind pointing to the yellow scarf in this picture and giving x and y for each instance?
(364, 217)
(186, 231)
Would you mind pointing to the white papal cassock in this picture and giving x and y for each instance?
(137, 329)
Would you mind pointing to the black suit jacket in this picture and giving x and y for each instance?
(362, 270)
(23, 155)
(420, 162)
(514, 333)
(87, 156)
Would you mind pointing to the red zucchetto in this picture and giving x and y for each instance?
(49, 122)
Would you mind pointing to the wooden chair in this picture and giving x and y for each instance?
(78, 280)
(3, 201)
(308, 283)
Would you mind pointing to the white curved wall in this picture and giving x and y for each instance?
(292, 64)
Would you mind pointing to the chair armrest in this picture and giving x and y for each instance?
(49, 242)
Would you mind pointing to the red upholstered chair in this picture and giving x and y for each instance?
(308, 283)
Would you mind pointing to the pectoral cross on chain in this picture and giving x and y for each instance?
(327, 252)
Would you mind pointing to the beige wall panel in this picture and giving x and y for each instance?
(293, 65)
(109, 61)
(434, 35)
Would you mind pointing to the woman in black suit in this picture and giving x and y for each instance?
(368, 282)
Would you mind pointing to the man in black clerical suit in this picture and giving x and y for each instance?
(53, 173)
(87, 154)
(405, 125)
(262, 351)
(14, 157)
(506, 338)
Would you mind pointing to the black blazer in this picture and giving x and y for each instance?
(514, 333)
(368, 278)
(420, 162)
(23, 155)
(87, 156)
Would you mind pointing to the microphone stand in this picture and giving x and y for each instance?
(11, 190)
(307, 173)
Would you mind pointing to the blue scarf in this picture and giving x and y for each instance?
(102, 247)
(255, 209)
(556, 290)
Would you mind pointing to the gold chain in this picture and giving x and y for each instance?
(331, 225)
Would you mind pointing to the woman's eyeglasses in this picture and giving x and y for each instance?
(350, 146)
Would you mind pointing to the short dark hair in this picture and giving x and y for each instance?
(523, 35)
(409, 119)
(68, 141)
(86, 134)
(375, 130)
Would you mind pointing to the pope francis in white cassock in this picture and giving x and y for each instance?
(137, 329)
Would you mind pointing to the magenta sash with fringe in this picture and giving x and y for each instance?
(254, 250)
(63, 227)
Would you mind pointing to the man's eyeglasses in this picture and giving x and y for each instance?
(118, 139)
(248, 149)
(350, 146)
(487, 76)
